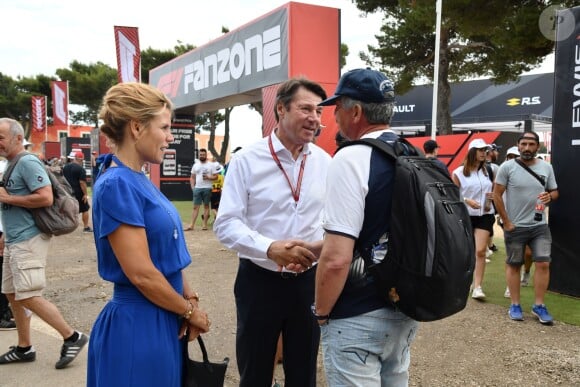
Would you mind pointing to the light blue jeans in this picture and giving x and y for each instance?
(372, 349)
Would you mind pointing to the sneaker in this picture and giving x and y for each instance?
(488, 253)
(515, 312)
(478, 294)
(493, 248)
(13, 356)
(87, 229)
(541, 312)
(525, 281)
(507, 293)
(69, 351)
(7, 325)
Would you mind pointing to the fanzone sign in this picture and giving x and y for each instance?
(243, 60)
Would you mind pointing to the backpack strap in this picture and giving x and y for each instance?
(390, 145)
(399, 147)
(11, 167)
(489, 170)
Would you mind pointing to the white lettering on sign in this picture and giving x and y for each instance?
(404, 108)
(235, 61)
(39, 114)
(531, 100)
(576, 102)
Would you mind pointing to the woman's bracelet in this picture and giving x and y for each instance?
(194, 296)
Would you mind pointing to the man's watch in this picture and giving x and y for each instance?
(318, 316)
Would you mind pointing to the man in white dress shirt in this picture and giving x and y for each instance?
(271, 214)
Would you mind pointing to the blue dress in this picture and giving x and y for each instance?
(133, 341)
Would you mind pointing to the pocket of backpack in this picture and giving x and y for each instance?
(31, 276)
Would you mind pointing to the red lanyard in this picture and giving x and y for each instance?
(295, 192)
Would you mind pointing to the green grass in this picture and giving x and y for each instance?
(564, 308)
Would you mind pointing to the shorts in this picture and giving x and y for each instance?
(484, 222)
(83, 206)
(215, 199)
(538, 238)
(201, 195)
(23, 269)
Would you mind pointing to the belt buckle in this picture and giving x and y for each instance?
(288, 274)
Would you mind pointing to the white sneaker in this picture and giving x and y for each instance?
(525, 280)
(507, 293)
(488, 253)
(478, 294)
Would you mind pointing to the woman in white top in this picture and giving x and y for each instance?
(476, 187)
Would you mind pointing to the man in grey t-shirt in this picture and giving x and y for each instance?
(525, 196)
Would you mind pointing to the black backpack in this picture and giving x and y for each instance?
(430, 257)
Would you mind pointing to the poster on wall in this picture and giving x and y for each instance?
(178, 159)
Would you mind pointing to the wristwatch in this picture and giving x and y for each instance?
(318, 316)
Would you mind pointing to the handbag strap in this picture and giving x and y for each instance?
(203, 350)
(185, 340)
(524, 166)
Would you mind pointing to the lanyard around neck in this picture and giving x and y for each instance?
(295, 191)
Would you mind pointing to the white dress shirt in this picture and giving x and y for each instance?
(257, 206)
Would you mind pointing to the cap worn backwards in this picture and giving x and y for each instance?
(365, 85)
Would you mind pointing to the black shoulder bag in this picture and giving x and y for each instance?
(539, 178)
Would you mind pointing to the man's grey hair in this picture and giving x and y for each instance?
(375, 113)
(14, 126)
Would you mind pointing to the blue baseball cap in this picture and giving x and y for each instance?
(363, 85)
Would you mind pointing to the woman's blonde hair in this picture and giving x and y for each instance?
(130, 101)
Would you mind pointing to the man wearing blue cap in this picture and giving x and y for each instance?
(364, 340)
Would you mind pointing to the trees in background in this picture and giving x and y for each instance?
(479, 38)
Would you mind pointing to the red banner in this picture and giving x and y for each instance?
(128, 54)
(39, 113)
(59, 102)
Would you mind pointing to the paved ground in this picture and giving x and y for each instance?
(478, 347)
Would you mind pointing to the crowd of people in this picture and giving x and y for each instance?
(296, 218)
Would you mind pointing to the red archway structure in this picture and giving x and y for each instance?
(247, 64)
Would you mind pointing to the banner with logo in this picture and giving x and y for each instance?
(38, 120)
(241, 62)
(59, 102)
(128, 54)
(480, 101)
(564, 220)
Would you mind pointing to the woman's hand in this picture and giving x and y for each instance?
(472, 203)
(199, 320)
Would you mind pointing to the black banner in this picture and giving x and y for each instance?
(175, 170)
(480, 101)
(565, 212)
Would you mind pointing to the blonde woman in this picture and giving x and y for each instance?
(141, 249)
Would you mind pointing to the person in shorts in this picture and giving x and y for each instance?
(23, 269)
(203, 174)
(524, 221)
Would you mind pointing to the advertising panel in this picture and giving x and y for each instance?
(177, 161)
(564, 219)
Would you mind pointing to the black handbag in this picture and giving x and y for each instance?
(202, 373)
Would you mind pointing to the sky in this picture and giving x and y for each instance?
(40, 36)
